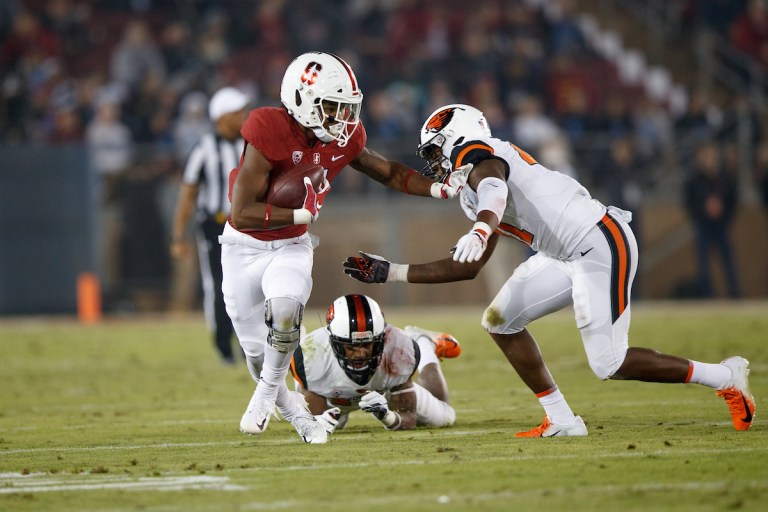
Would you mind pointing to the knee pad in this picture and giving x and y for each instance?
(283, 317)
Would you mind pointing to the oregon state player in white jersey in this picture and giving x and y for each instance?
(358, 361)
(587, 257)
(267, 254)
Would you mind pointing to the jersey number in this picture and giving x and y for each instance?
(524, 155)
(514, 232)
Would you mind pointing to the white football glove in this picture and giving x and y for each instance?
(453, 184)
(329, 419)
(375, 403)
(471, 246)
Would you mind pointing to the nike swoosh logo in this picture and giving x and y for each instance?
(260, 426)
(585, 252)
(748, 417)
(336, 157)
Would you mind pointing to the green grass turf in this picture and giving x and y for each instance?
(140, 415)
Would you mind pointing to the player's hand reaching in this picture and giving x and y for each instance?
(310, 210)
(370, 268)
(367, 268)
(453, 184)
(329, 419)
(471, 246)
(375, 403)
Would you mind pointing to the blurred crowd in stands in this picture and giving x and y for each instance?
(130, 80)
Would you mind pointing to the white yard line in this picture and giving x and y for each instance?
(33, 483)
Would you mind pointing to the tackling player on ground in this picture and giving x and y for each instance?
(358, 361)
(266, 251)
(586, 256)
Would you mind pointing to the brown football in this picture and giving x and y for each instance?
(286, 187)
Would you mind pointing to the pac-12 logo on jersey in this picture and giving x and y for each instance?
(296, 157)
(311, 72)
(439, 121)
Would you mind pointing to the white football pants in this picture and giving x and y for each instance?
(255, 271)
(432, 412)
(597, 280)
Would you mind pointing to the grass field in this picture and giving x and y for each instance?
(139, 415)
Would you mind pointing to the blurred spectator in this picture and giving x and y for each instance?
(564, 32)
(191, 124)
(699, 121)
(110, 147)
(718, 14)
(749, 31)
(710, 196)
(145, 262)
(652, 128)
(555, 154)
(761, 172)
(613, 119)
(136, 56)
(530, 126)
(179, 54)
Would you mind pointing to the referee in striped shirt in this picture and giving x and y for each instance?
(204, 188)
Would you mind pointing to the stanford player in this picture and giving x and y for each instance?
(266, 250)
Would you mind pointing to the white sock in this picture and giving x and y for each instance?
(715, 376)
(427, 350)
(273, 373)
(555, 406)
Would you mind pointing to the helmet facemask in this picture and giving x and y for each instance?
(359, 356)
(438, 165)
(338, 119)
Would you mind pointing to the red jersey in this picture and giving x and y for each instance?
(281, 140)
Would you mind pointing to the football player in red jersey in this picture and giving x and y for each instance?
(266, 250)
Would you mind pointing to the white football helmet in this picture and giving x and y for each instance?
(445, 128)
(320, 91)
(356, 327)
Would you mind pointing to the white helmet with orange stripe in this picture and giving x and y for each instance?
(445, 128)
(321, 92)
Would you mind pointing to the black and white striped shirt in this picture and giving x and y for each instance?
(208, 166)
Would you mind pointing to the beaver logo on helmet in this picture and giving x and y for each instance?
(438, 121)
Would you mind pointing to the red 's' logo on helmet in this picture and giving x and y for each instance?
(309, 76)
(438, 121)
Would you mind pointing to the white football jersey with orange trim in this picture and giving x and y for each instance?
(324, 376)
(547, 210)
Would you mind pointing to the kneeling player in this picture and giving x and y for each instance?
(359, 362)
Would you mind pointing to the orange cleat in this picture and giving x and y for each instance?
(740, 401)
(549, 429)
(445, 345)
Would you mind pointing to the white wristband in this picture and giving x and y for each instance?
(397, 273)
(391, 420)
(482, 227)
(436, 190)
(302, 216)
